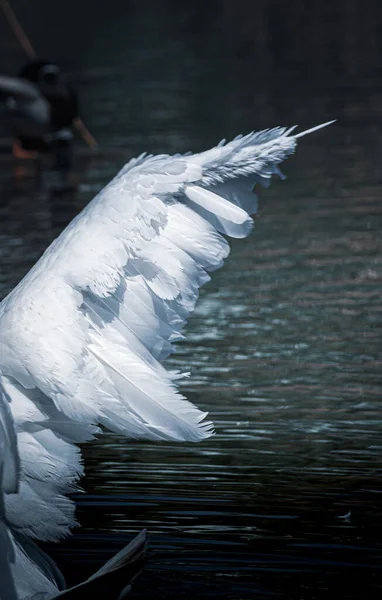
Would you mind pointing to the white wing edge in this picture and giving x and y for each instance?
(117, 287)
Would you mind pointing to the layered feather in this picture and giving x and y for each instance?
(9, 473)
(84, 334)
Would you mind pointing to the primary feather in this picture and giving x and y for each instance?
(84, 334)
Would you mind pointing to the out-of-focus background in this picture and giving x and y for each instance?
(285, 344)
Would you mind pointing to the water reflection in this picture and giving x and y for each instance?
(284, 346)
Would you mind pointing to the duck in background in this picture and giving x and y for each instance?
(41, 110)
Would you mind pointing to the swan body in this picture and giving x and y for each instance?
(84, 334)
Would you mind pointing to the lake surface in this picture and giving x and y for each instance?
(285, 344)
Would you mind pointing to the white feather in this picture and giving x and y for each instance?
(84, 333)
(222, 214)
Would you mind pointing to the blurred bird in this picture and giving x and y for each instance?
(40, 112)
(83, 335)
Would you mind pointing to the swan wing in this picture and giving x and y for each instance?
(84, 335)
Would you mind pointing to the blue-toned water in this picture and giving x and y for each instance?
(285, 344)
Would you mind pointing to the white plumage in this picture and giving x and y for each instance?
(84, 334)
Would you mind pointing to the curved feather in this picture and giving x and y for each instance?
(84, 334)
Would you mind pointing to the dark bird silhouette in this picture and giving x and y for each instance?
(41, 109)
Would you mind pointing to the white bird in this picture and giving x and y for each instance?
(83, 335)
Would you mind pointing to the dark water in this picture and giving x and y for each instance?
(285, 344)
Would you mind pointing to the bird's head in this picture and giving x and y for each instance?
(50, 75)
(42, 72)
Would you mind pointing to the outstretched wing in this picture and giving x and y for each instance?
(85, 333)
